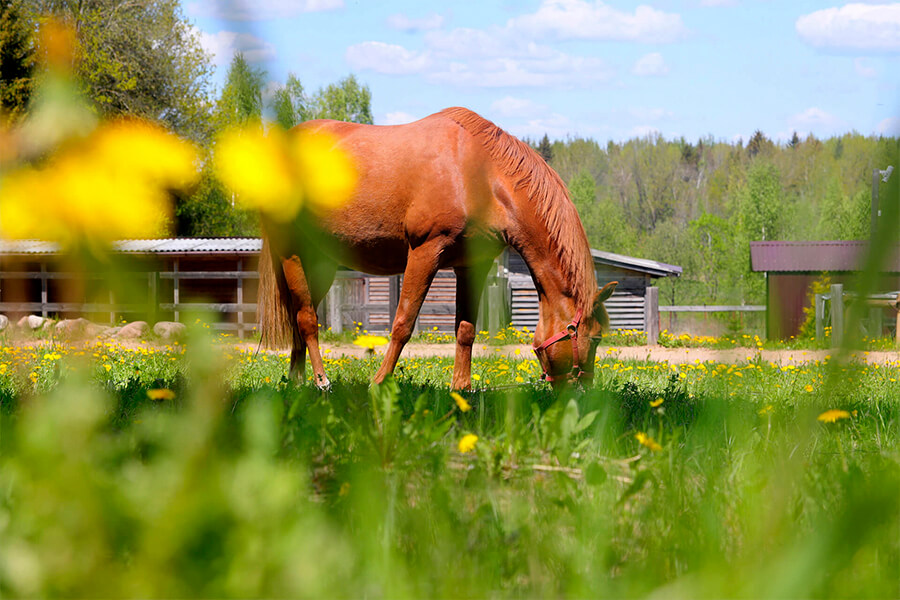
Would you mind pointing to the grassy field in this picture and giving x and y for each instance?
(199, 470)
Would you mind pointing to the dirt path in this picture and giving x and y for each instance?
(649, 353)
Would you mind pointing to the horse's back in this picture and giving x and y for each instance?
(416, 181)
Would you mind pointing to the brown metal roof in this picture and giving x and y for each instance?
(798, 257)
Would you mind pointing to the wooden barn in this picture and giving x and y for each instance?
(791, 268)
(168, 278)
(159, 279)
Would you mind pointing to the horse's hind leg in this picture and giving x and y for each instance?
(307, 289)
(421, 267)
(469, 285)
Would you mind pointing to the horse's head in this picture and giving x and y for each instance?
(566, 344)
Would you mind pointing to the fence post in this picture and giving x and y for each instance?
(837, 314)
(240, 299)
(43, 289)
(651, 315)
(333, 306)
(393, 301)
(820, 316)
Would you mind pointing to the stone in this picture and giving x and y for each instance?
(169, 330)
(31, 322)
(133, 330)
(72, 327)
(4, 322)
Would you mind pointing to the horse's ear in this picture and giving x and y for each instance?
(604, 294)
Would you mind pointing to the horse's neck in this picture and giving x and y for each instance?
(555, 290)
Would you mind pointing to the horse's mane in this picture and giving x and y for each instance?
(547, 192)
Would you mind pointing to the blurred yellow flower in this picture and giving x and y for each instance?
(113, 184)
(461, 402)
(833, 415)
(808, 388)
(276, 172)
(467, 443)
(370, 342)
(646, 440)
(161, 394)
(657, 402)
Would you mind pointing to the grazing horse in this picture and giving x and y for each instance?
(449, 190)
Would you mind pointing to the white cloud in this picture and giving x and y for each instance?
(580, 19)
(261, 10)
(889, 126)
(224, 44)
(560, 70)
(410, 25)
(398, 118)
(859, 27)
(555, 125)
(384, 58)
(517, 107)
(650, 65)
(814, 116)
(863, 69)
(717, 3)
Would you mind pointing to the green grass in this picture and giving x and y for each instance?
(245, 485)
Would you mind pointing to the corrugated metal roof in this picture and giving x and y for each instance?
(644, 265)
(817, 256)
(158, 246)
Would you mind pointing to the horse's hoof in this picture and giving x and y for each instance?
(323, 384)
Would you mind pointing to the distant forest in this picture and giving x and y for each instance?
(699, 205)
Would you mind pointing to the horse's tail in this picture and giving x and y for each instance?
(274, 301)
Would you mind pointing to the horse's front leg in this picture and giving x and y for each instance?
(421, 267)
(469, 286)
(306, 333)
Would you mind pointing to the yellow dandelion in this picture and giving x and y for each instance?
(370, 342)
(161, 394)
(646, 440)
(808, 388)
(766, 410)
(461, 402)
(467, 443)
(657, 402)
(833, 415)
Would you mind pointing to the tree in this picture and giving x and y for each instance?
(545, 149)
(241, 101)
(17, 60)
(795, 141)
(759, 143)
(290, 104)
(138, 58)
(345, 100)
(211, 209)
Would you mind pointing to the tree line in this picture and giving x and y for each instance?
(699, 205)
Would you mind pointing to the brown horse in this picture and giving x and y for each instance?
(450, 190)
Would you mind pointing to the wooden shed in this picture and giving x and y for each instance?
(791, 268)
(625, 307)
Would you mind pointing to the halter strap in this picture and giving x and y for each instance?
(570, 332)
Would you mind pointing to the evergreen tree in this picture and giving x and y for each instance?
(545, 149)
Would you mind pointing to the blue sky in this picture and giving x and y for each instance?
(605, 70)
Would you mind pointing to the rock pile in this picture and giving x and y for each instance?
(166, 331)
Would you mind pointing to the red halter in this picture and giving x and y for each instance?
(570, 332)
